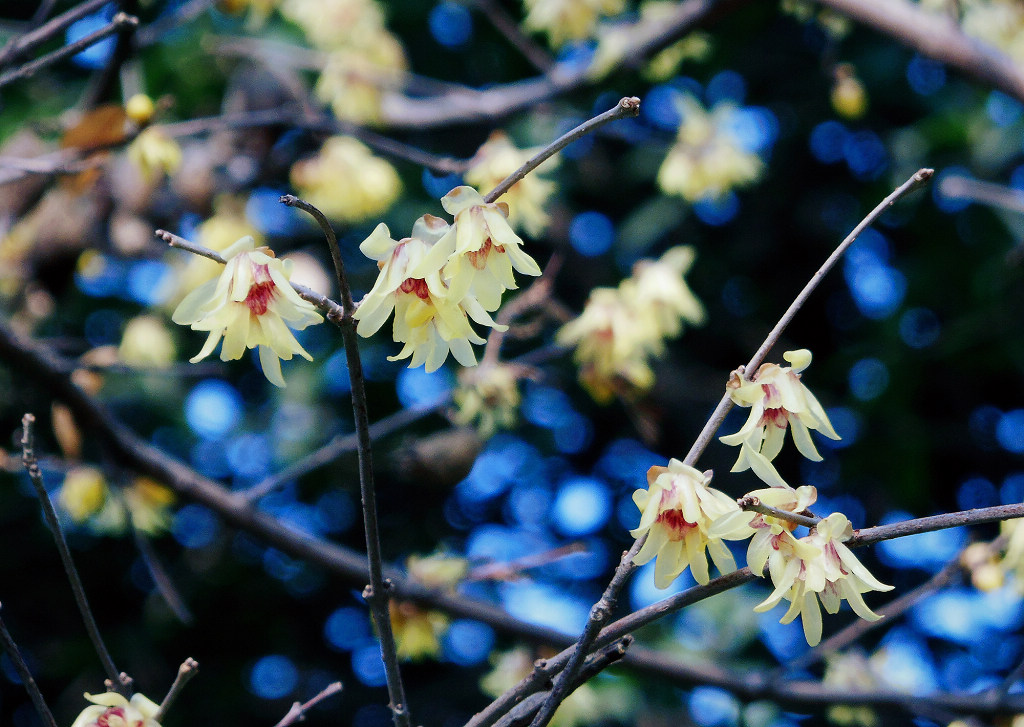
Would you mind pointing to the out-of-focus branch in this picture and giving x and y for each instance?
(27, 41)
(14, 654)
(118, 23)
(937, 36)
(508, 27)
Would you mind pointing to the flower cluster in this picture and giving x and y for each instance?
(497, 159)
(418, 631)
(677, 510)
(566, 20)
(778, 400)
(818, 566)
(346, 181)
(707, 160)
(251, 305)
(113, 710)
(622, 328)
(441, 277)
(87, 498)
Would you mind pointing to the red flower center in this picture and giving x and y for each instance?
(417, 286)
(675, 523)
(775, 417)
(261, 292)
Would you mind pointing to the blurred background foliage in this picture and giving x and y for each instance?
(917, 343)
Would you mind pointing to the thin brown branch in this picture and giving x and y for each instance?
(376, 593)
(188, 669)
(753, 504)
(298, 710)
(627, 107)
(28, 458)
(25, 674)
(118, 23)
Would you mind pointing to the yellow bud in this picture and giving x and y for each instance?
(140, 108)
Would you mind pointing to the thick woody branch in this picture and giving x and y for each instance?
(937, 36)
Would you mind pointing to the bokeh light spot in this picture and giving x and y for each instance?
(273, 677)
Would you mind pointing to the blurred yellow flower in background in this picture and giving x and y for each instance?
(346, 181)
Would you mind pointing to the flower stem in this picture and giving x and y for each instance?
(627, 107)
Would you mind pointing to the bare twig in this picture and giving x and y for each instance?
(376, 593)
(119, 22)
(28, 458)
(753, 504)
(298, 710)
(161, 579)
(512, 569)
(627, 107)
(14, 654)
(188, 669)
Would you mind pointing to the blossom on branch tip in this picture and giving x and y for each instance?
(762, 529)
(477, 256)
(111, 709)
(778, 400)
(427, 319)
(677, 510)
(251, 305)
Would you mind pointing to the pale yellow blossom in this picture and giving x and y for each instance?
(427, 320)
(762, 529)
(677, 510)
(658, 289)
(706, 159)
(778, 400)
(488, 397)
(528, 198)
(146, 343)
(354, 79)
(565, 20)
(83, 493)
(477, 256)
(111, 709)
(155, 154)
(331, 24)
(346, 181)
(251, 305)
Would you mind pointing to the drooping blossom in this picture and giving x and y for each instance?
(346, 181)
(762, 529)
(427, 320)
(677, 510)
(418, 631)
(707, 159)
(111, 709)
(477, 255)
(251, 305)
(488, 397)
(818, 566)
(778, 401)
(657, 288)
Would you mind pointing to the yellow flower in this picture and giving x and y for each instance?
(83, 493)
(476, 257)
(488, 397)
(818, 566)
(438, 570)
(427, 320)
(777, 400)
(148, 504)
(417, 631)
(249, 306)
(677, 510)
(146, 343)
(999, 23)
(155, 154)
(1013, 558)
(848, 96)
(346, 181)
(565, 20)
(612, 346)
(706, 160)
(657, 289)
(615, 39)
(111, 709)
(140, 108)
(353, 79)
(527, 199)
(743, 524)
(331, 24)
